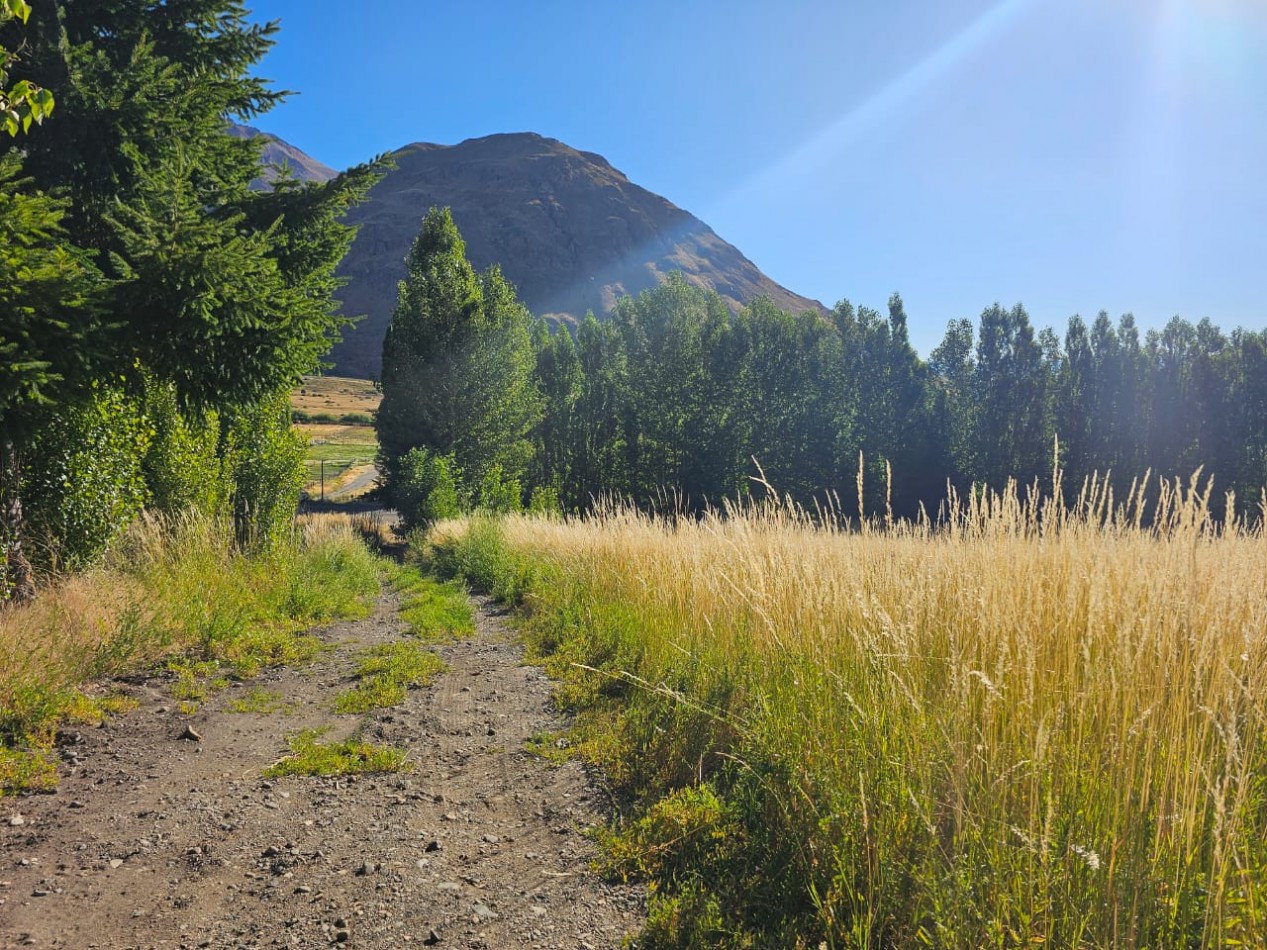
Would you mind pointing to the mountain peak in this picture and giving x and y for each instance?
(278, 154)
(569, 230)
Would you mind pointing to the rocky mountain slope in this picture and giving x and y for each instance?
(279, 154)
(571, 232)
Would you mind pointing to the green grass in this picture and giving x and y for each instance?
(386, 673)
(435, 610)
(317, 451)
(178, 594)
(309, 756)
(28, 723)
(546, 745)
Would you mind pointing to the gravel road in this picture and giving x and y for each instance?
(154, 840)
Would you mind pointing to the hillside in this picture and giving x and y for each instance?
(278, 154)
(570, 231)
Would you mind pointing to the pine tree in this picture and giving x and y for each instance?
(202, 283)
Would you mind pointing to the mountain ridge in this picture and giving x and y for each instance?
(569, 230)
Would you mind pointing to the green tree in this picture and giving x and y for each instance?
(222, 292)
(458, 364)
(561, 381)
(49, 336)
(24, 102)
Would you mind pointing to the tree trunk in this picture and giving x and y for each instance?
(17, 585)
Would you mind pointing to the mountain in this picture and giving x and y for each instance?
(571, 232)
(278, 154)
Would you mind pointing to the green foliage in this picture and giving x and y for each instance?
(385, 674)
(266, 459)
(499, 493)
(457, 365)
(427, 488)
(309, 756)
(24, 103)
(545, 501)
(434, 610)
(164, 265)
(183, 468)
(85, 480)
(482, 557)
(47, 321)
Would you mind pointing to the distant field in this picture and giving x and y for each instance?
(336, 395)
(341, 447)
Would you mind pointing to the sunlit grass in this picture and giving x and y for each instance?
(174, 592)
(1030, 725)
(385, 674)
(434, 610)
(309, 756)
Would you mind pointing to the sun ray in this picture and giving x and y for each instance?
(817, 152)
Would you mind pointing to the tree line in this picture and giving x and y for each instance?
(154, 309)
(675, 395)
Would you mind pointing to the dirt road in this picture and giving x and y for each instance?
(158, 841)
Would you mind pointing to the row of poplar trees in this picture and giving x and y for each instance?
(154, 308)
(678, 400)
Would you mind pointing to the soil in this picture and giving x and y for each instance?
(154, 840)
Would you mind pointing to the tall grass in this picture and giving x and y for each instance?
(1031, 724)
(177, 590)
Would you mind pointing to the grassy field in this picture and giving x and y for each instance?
(344, 448)
(336, 396)
(1032, 726)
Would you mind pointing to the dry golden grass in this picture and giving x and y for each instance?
(1031, 725)
(335, 394)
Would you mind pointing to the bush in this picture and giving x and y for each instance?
(182, 468)
(84, 481)
(427, 488)
(500, 492)
(265, 458)
(545, 501)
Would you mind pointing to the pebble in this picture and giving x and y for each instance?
(190, 735)
(17, 821)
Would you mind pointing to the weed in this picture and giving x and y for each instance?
(433, 609)
(554, 747)
(385, 674)
(309, 756)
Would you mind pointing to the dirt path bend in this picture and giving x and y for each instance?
(157, 841)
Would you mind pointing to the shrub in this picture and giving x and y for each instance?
(266, 463)
(182, 467)
(84, 481)
(500, 492)
(427, 488)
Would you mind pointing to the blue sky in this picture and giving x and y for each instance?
(1073, 155)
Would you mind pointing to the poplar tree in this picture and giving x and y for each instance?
(458, 365)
